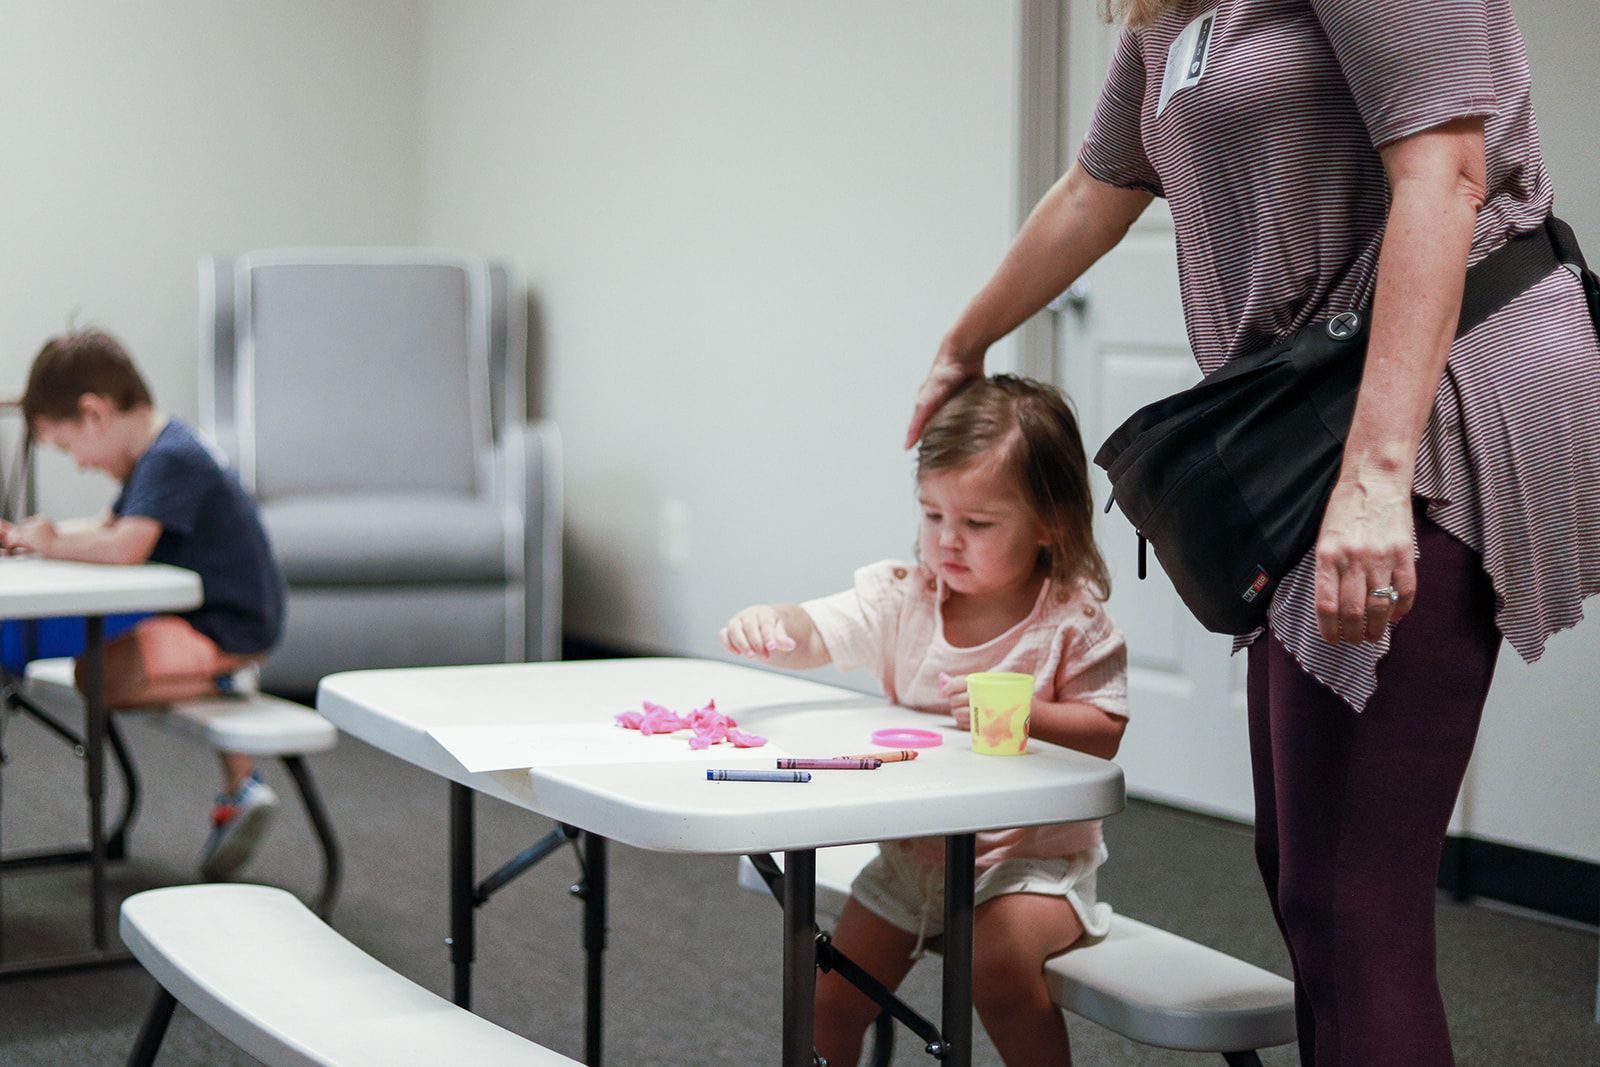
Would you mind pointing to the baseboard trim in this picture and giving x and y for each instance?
(576, 646)
(1540, 881)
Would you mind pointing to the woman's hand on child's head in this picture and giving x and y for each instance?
(756, 632)
(952, 366)
(954, 688)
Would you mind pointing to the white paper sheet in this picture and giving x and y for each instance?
(498, 748)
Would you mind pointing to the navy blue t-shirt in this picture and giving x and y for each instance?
(209, 525)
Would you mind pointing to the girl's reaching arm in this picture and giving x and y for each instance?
(780, 634)
(1079, 220)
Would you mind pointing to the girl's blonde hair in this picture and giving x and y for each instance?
(1030, 429)
(1135, 14)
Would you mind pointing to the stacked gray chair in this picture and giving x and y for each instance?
(373, 401)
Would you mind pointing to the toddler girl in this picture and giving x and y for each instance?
(1007, 578)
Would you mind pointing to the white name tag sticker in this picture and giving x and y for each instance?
(1187, 58)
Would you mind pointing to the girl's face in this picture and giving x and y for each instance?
(978, 532)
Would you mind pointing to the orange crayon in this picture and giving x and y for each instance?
(898, 755)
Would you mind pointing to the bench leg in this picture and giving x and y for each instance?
(332, 861)
(117, 845)
(153, 1030)
(117, 842)
(461, 893)
(882, 1040)
(1242, 1059)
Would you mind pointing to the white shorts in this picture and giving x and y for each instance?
(909, 895)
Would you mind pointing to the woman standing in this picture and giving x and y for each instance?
(1318, 156)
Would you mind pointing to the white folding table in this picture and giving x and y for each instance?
(32, 588)
(670, 806)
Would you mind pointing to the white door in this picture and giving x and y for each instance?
(1120, 343)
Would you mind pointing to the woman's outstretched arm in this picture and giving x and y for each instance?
(1079, 220)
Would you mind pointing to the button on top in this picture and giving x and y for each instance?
(1344, 326)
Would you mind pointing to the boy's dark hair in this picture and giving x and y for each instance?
(1032, 429)
(79, 362)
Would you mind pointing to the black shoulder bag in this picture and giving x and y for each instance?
(1228, 480)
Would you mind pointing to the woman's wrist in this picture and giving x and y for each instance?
(962, 348)
(1382, 467)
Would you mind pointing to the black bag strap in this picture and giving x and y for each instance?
(1571, 256)
(1495, 280)
(1566, 244)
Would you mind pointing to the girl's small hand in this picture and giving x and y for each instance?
(954, 688)
(756, 632)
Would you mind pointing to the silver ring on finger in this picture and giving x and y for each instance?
(1386, 592)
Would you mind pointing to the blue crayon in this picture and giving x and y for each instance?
(757, 776)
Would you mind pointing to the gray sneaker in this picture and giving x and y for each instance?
(238, 822)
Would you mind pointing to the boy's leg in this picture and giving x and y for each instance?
(883, 950)
(1013, 935)
(236, 770)
(163, 659)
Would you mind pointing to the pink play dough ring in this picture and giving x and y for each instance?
(906, 737)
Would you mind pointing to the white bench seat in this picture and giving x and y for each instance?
(1146, 984)
(256, 724)
(262, 970)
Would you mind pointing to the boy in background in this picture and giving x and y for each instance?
(179, 504)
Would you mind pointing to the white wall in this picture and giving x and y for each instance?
(746, 225)
(135, 137)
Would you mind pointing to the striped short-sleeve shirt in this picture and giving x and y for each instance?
(1260, 122)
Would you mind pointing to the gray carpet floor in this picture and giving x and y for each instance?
(692, 971)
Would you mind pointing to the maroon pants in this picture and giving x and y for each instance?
(1351, 813)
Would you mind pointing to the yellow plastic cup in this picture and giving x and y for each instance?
(1001, 705)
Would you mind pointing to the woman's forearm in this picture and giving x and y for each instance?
(1074, 224)
(1437, 190)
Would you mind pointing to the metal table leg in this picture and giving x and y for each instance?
(95, 714)
(594, 889)
(799, 957)
(960, 853)
(461, 893)
(96, 732)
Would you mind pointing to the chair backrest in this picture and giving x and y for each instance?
(372, 369)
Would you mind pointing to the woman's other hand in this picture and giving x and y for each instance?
(1365, 545)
